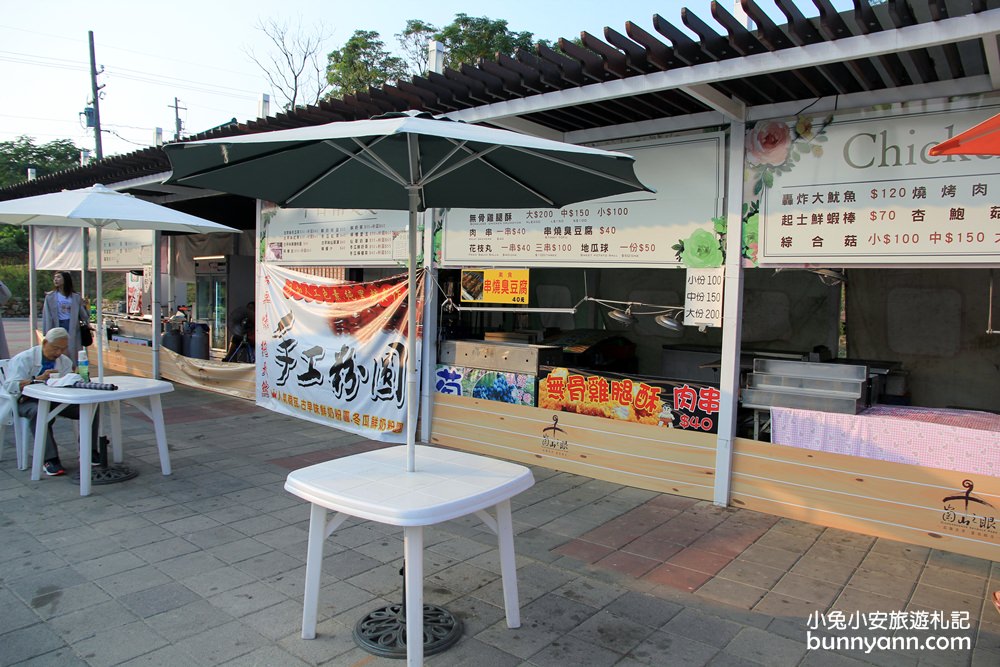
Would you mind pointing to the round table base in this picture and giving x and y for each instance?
(383, 631)
(109, 475)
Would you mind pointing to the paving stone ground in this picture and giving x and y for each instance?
(206, 567)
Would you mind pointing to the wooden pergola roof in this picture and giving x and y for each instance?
(633, 82)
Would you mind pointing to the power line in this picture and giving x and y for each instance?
(141, 53)
(129, 141)
(42, 134)
(141, 77)
(21, 61)
(67, 61)
(129, 127)
(172, 82)
(45, 120)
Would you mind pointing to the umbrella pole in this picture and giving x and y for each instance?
(99, 334)
(412, 343)
(32, 290)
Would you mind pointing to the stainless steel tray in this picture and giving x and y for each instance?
(810, 370)
(845, 388)
(765, 399)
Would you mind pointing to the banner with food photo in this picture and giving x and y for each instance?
(490, 385)
(334, 352)
(690, 406)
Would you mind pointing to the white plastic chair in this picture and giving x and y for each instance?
(9, 417)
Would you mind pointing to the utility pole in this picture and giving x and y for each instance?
(177, 118)
(95, 90)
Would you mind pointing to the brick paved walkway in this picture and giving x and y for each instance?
(206, 567)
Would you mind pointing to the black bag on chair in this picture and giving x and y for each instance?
(86, 334)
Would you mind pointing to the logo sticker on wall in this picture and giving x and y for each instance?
(554, 440)
(966, 514)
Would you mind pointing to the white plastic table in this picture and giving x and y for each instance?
(376, 486)
(130, 389)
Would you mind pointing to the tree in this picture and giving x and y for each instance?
(18, 155)
(293, 67)
(467, 39)
(13, 239)
(363, 62)
(413, 43)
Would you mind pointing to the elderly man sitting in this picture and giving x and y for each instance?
(37, 364)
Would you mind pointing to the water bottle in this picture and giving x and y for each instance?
(83, 366)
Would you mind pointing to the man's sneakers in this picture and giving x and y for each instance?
(53, 468)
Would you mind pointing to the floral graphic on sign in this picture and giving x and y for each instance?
(773, 148)
(704, 249)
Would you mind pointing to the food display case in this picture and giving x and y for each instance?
(222, 284)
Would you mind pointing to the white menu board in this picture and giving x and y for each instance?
(862, 190)
(124, 249)
(347, 237)
(633, 230)
(703, 297)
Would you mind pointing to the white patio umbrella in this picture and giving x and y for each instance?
(403, 161)
(100, 207)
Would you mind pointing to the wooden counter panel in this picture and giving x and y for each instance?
(649, 457)
(125, 358)
(223, 378)
(889, 482)
(892, 500)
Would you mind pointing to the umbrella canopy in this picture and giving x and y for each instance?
(983, 139)
(370, 163)
(403, 161)
(100, 207)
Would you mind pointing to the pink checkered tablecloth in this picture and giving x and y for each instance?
(961, 440)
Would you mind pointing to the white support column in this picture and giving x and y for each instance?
(83, 266)
(33, 289)
(732, 316)
(435, 56)
(428, 359)
(154, 305)
(169, 269)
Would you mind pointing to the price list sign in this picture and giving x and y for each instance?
(633, 230)
(874, 196)
(349, 237)
(703, 297)
(124, 249)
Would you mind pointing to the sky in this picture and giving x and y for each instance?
(152, 53)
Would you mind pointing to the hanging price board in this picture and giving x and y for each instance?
(703, 297)
(495, 286)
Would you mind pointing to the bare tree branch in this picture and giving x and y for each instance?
(293, 62)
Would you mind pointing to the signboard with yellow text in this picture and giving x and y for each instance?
(495, 286)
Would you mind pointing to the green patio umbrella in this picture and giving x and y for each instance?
(403, 161)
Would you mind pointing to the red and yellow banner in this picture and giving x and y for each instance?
(335, 352)
(688, 406)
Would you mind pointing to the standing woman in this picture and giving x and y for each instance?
(63, 308)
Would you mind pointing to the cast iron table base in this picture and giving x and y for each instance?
(105, 474)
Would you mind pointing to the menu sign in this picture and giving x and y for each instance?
(862, 190)
(495, 286)
(348, 237)
(125, 249)
(633, 230)
(703, 297)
